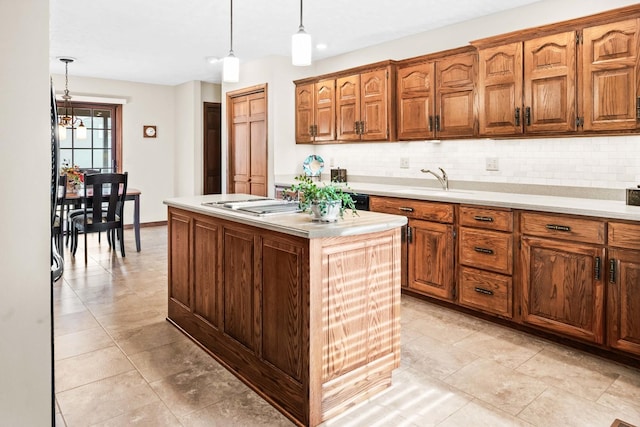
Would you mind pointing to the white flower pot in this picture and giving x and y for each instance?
(326, 212)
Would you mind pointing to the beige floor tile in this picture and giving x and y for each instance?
(71, 304)
(105, 399)
(480, 414)
(171, 359)
(106, 293)
(623, 396)
(75, 322)
(557, 407)
(373, 416)
(505, 346)
(572, 370)
(62, 290)
(147, 337)
(497, 385)
(153, 415)
(244, 410)
(123, 320)
(89, 367)
(81, 342)
(433, 357)
(197, 388)
(447, 327)
(59, 420)
(421, 399)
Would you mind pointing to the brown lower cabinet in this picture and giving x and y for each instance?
(572, 276)
(312, 325)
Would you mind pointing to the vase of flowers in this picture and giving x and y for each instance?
(75, 177)
(325, 202)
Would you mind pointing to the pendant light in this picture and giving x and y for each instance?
(67, 122)
(231, 64)
(301, 45)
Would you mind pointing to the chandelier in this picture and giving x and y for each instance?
(68, 122)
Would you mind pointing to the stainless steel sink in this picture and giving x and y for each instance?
(257, 207)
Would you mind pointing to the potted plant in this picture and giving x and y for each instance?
(326, 202)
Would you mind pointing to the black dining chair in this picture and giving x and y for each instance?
(58, 221)
(104, 196)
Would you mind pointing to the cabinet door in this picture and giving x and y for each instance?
(180, 244)
(325, 112)
(500, 90)
(348, 108)
(550, 83)
(610, 76)
(258, 144)
(456, 108)
(374, 105)
(624, 300)
(431, 259)
(415, 101)
(563, 287)
(305, 104)
(207, 290)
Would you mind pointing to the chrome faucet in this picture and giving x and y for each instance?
(443, 180)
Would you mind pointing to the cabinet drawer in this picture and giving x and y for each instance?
(563, 227)
(622, 235)
(493, 219)
(486, 291)
(490, 250)
(416, 209)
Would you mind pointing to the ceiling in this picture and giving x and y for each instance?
(168, 41)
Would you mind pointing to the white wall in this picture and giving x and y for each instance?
(607, 162)
(169, 165)
(25, 315)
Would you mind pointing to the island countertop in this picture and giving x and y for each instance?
(297, 224)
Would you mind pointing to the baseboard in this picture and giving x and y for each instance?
(147, 224)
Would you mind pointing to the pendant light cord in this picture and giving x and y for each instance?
(231, 15)
(301, 26)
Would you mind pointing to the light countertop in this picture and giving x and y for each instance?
(545, 203)
(297, 224)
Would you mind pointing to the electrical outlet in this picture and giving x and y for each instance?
(404, 162)
(492, 164)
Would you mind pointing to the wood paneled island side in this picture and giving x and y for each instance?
(306, 314)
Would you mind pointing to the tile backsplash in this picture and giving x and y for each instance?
(596, 162)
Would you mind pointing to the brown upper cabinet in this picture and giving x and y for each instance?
(349, 106)
(528, 87)
(574, 77)
(315, 112)
(436, 96)
(610, 76)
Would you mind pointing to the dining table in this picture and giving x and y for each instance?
(76, 198)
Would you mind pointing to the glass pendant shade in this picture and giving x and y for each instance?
(301, 48)
(62, 132)
(81, 131)
(230, 69)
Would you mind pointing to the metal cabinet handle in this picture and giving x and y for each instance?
(483, 291)
(430, 123)
(404, 209)
(483, 250)
(517, 116)
(527, 116)
(612, 271)
(437, 123)
(638, 108)
(597, 268)
(483, 218)
(558, 227)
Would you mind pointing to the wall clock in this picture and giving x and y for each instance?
(149, 131)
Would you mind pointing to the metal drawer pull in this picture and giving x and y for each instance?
(597, 268)
(558, 227)
(612, 270)
(403, 209)
(483, 291)
(483, 218)
(483, 250)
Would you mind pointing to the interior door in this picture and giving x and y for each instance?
(212, 149)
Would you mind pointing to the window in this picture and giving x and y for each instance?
(102, 148)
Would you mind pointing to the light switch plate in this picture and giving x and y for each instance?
(404, 162)
(492, 164)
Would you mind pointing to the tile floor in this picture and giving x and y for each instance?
(118, 362)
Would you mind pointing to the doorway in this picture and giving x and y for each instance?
(212, 148)
(247, 122)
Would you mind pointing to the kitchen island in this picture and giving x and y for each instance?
(306, 314)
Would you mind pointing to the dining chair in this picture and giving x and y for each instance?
(104, 195)
(58, 220)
